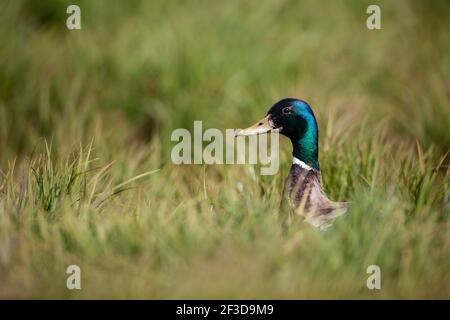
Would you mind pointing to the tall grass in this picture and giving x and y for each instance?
(85, 170)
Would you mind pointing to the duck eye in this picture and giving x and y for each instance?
(286, 110)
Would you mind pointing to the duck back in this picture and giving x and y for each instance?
(304, 194)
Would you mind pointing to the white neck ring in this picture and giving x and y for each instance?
(301, 164)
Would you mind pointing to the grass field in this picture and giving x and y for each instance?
(85, 170)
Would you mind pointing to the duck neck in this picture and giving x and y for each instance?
(306, 150)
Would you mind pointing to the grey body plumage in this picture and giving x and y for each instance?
(304, 195)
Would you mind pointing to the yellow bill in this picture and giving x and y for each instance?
(262, 126)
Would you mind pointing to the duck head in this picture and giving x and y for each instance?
(294, 119)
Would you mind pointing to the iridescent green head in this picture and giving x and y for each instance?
(294, 119)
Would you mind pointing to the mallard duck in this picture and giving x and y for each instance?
(303, 191)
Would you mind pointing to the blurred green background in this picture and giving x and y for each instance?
(139, 69)
(160, 65)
